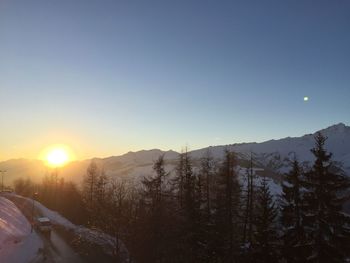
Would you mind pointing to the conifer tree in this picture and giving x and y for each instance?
(179, 179)
(190, 213)
(294, 249)
(248, 206)
(227, 203)
(265, 235)
(155, 203)
(327, 226)
(206, 182)
(207, 173)
(201, 233)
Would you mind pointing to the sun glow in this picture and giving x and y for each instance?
(57, 156)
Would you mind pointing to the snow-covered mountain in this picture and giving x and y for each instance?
(274, 153)
(271, 155)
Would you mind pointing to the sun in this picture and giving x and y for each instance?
(57, 156)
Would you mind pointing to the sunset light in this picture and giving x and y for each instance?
(57, 156)
(175, 131)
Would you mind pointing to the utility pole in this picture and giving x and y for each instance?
(34, 197)
(2, 179)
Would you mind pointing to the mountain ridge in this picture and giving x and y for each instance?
(272, 153)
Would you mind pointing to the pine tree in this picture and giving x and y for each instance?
(205, 194)
(327, 226)
(265, 235)
(248, 206)
(190, 213)
(180, 179)
(227, 203)
(207, 173)
(201, 221)
(154, 195)
(294, 249)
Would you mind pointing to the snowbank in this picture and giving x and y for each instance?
(17, 243)
(106, 241)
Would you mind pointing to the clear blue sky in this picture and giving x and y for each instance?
(106, 77)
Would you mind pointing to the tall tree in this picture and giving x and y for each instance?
(89, 190)
(227, 204)
(101, 202)
(190, 213)
(180, 178)
(156, 209)
(327, 225)
(71, 203)
(265, 235)
(188, 190)
(206, 175)
(205, 195)
(248, 211)
(49, 192)
(294, 247)
(116, 219)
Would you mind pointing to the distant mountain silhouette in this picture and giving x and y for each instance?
(272, 154)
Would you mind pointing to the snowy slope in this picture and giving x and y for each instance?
(17, 243)
(275, 187)
(338, 143)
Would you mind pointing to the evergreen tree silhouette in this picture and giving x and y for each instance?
(327, 225)
(294, 245)
(266, 234)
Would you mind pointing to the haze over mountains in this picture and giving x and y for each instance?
(271, 155)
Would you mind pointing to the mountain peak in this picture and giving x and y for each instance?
(340, 127)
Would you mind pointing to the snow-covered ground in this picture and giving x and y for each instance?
(17, 243)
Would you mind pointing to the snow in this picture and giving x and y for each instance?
(97, 237)
(338, 143)
(17, 243)
(275, 188)
(54, 217)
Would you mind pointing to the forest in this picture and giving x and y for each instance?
(206, 214)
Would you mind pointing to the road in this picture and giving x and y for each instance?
(56, 249)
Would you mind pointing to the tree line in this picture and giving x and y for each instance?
(209, 215)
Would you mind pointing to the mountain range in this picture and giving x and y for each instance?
(272, 157)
